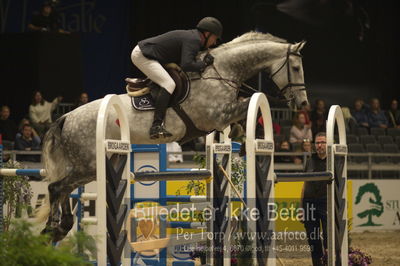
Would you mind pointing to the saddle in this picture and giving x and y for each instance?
(144, 91)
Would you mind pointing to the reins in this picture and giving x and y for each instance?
(250, 90)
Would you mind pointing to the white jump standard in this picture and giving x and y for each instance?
(260, 165)
(113, 187)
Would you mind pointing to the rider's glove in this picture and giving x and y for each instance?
(208, 59)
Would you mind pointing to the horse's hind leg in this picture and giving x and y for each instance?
(59, 193)
(54, 198)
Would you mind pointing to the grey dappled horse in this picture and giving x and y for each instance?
(69, 149)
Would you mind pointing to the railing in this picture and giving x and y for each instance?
(63, 108)
(188, 162)
(279, 114)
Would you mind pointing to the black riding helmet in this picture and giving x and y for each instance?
(210, 24)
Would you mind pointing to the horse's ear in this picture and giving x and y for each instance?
(300, 45)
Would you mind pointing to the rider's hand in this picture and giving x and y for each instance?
(208, 59)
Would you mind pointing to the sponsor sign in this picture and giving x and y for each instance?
(118, 146)
(264, 146)
(376, 205)
(222, 148)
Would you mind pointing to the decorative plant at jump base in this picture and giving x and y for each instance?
(21, 246)
(237, 175)
(241, 253)
(17, 195)
(356, 256)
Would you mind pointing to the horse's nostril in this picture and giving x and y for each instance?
(304, 103)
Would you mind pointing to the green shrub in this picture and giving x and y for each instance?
(20, 246)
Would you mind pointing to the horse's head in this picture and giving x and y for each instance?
(288, 75)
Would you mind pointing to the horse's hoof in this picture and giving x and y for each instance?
(46, 230)
(56, 233)
(236, 131)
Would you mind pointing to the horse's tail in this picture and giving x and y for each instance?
(53, 159)
(53, 152)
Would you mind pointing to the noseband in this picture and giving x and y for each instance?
(289, 88)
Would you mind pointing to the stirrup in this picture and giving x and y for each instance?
(159, 132)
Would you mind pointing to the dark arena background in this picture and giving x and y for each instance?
(347, 54)
(352, 52)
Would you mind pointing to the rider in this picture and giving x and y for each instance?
(180, 47)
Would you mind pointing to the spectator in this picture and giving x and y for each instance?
(174, 147)
(393, 114)
(26, 142)
(376, 117)
(34, 136)
(314, 199)
(318, 117)
(360, 114)
(83, 99)
(305, 148)
(40, 112)
(284, 147)
(45, 20)
(299, 131)
(8, 128)
(349, 121)
(306, 109)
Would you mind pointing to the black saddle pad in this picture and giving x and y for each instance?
(143, 103)
(146, 102)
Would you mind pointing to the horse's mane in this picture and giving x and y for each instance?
(253, 35)
(248, 37)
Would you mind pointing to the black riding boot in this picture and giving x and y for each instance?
(157, 130)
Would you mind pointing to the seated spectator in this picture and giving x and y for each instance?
(45, 21)
(360, 113)
(376, 117)
(306, 109)
(40, 112)
(27, 143)
(8, 128)
(349, 121)
(35, 135)
(305, 148)
(393, 115)
(318, 117)
(174, 147)
(284, 147)
(83, 99)
(299, 131)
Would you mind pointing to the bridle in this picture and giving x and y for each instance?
(289, 88)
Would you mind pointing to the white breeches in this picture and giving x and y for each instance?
(153, 70)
